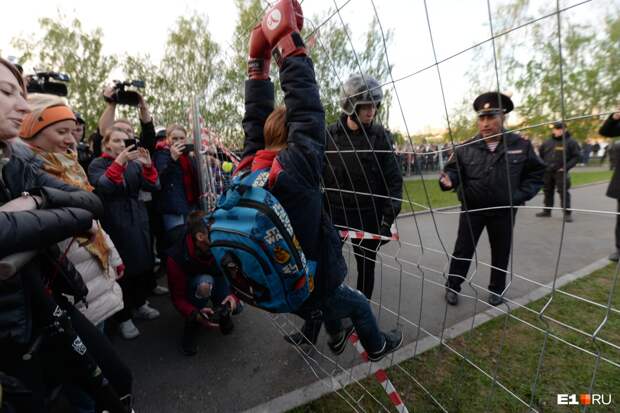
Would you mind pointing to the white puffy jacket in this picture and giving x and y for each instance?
(104, 294)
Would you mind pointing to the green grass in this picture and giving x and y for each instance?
(414, 190)
(511, 349)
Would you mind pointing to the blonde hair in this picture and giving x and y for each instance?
(38, 102)
(173, 127)
(108, 134)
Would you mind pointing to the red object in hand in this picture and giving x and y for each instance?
(281, 26)
(259, 56)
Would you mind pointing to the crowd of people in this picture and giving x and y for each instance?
(88, 225)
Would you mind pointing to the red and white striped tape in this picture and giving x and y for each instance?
(352, 234)
(381, 377)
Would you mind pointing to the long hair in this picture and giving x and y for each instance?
(275, 129)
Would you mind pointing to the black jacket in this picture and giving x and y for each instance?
(481, 176)
(362, 161)
(610, 129)
(297, 184)
(68, 211)
(125, 219)
(552, 153)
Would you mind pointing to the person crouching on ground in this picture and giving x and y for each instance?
(195, 281)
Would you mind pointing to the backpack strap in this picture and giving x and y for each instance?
(240, 184)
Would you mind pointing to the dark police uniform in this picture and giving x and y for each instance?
(552, 153)
(483, 179)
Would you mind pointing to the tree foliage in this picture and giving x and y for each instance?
(66, 47)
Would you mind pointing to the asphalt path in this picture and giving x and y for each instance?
(254, 365)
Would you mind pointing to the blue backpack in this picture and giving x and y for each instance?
(254, 246)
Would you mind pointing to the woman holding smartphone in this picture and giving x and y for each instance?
(175, 162)
(118, 176)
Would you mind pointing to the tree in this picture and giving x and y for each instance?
(574, 81)
(66, 47)
(336, 60)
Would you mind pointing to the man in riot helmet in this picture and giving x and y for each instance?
(362, 178)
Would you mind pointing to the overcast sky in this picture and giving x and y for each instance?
(140, 27)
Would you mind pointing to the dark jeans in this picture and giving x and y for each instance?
(136, 289)
(345, 302)
(365, 256)
(499, 227)
(555, 181)
(618, 227)
(365, 250)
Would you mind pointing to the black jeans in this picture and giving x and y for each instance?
(135, 291)
(618, 228)
(499, 225)
(554, 180)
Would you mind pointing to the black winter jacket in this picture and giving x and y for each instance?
(552, 153)
(481, 176)
(297, 185)
(68, 212)
(352, 165)
(125, 219)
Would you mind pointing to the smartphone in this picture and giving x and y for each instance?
(189, 147)
(129, 142)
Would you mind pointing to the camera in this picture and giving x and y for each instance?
(189, 147)
(49, 83)
(122, 96)
(223, 317)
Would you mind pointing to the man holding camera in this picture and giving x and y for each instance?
(195, 281)
(114, 95)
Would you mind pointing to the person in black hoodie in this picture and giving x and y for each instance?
(290, 142)
(37, 211)
(560, 153)
(611, 129)
(362, 177)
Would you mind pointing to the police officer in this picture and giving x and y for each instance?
(362, 176)
(363, 181)
(552, 152)
(491, 173)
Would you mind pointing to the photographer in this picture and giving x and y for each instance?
(108, 120)
(84, 152)
(32, 321)
(176, 165)
(194, 280)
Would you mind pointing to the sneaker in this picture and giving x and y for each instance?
(393, 341)
(160, 290)
(544, 214)
(337, 343)
(495, 299)
(146, 312)
(451, 296)
(128, 330)
(568, 218)
(308, 335)
(614, 256)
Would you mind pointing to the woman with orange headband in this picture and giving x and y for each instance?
(48, 132)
